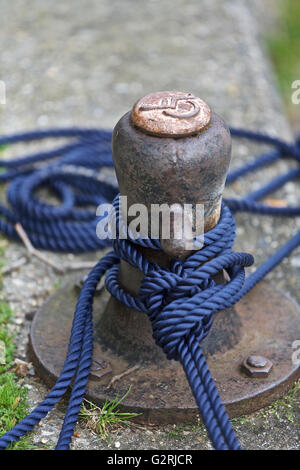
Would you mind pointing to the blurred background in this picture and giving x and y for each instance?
(86, 63)
(283, 43)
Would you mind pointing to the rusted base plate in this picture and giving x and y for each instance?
(270, 324)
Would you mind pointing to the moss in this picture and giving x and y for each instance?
(283, 409)
(177, 432)
(286, 407)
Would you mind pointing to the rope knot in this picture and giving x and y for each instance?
(179, 306)
(161, 287)
(180, 300)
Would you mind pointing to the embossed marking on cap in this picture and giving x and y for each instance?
(171, 114)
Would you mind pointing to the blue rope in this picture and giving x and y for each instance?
(180, 301)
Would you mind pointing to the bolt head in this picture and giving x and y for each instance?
(170, 114)
(257, 361)
(257, 366)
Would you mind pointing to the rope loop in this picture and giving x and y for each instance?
(167, 294)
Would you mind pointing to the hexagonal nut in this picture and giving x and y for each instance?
(257, 366)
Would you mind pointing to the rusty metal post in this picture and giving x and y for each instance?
(171, 148)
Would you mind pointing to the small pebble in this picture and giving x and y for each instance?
(295, 262)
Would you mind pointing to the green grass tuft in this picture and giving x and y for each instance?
(13, 396)
(102, 420)
(13, 408)
(284, 47)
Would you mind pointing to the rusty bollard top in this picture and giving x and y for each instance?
(170, 114)
(172, 149)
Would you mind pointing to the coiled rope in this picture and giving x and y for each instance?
(180, 301)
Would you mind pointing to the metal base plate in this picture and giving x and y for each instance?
(270, 324)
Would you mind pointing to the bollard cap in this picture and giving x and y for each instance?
(173, 169)
(171, 114)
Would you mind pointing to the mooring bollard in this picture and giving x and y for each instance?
(177, 158)
(171, 149)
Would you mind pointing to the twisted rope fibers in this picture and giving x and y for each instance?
(180, 301)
